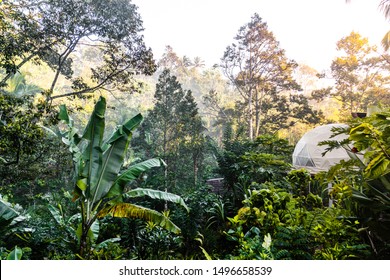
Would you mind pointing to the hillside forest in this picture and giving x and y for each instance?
(109, 153)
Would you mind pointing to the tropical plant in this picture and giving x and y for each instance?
(243, 162)
(10, 219)
(156, 243)
(337, 235)
(251, 245)
(100, 186)
(368, 173)
(7, 213)
(15, 254)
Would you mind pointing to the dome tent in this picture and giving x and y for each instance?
(308, 154)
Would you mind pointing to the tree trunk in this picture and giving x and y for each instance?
(259, 102)
(257, 114)
(250, 112)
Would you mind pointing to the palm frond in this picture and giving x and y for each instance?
(384, 6)
(386, 41)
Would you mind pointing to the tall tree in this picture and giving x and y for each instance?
(174, 131)
(362, 76)
(52, 31)
(179, 66)
(259, 69)
(20, 133)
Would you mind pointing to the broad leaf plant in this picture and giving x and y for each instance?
(100, 185)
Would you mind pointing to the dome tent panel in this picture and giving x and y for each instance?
(308, 154)
(304, 158)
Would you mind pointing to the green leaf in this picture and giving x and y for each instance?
(361, 197)
(155, 194)
(55, 212)
(79, 231)
(104, 243)
(69, 137)
(92, 154)
(132, 173)
(113, 158)
(127, 210)
(127, 128)
(377, 167)
(93, 232)
(82, 184)
(64, 116)
(16, 254)
(208, 257)
(7, 213)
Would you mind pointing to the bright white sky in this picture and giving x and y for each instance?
(307, 29)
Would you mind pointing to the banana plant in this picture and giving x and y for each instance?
(100, 185)
(15, 254)
(7, 213)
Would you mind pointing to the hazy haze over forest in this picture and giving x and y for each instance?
(308, 30)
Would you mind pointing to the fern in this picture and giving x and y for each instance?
(283, 255)
(292, 243)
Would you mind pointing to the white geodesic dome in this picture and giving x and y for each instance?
(308, 154)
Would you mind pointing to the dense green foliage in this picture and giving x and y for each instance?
(173, 131)
(367, 177)
(111, 28)
(93, 178)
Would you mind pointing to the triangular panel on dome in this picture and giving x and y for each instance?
(303, 157)
(308, 154)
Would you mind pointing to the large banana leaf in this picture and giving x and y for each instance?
(155, 194)
(70, 137)
(127, 210)
(16, 254)
(128, 127)
(7, 213)
(104, 243)
(132, 173)
(113, 158)
(93, 154)
(56, 213)
(64, 116)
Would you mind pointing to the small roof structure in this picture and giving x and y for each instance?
(308, 154)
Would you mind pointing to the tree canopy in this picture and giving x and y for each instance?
(361, 76)
(52, 31)
(259, 69)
